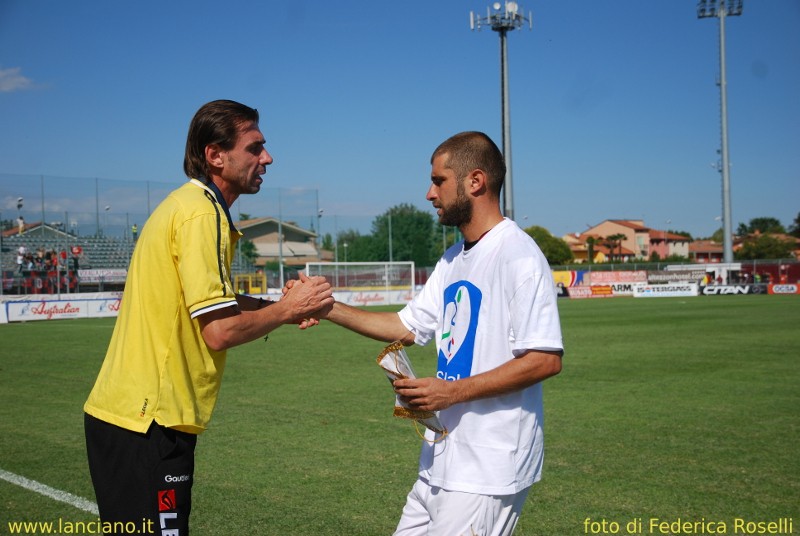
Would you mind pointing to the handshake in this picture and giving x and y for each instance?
(308, 299)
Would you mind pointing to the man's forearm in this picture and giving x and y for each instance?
(381, 326)
(516, 374)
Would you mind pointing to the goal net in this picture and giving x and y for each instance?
(366, 276)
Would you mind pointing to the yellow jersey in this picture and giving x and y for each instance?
(158, 366)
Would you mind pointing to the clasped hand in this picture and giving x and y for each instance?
(307, 296)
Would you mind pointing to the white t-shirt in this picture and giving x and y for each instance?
(484, 306)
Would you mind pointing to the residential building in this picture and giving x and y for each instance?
(296, 249)
(625, 240)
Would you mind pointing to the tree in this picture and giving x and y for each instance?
(614, 241)
(590, 242)
(761, 225)
(327, 242)
(354, 247)
(687, 234)
(248, 250)
(794, 229)
(412, 236)
(555, 250)
(765, 247)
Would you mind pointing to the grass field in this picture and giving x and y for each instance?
(667, 409)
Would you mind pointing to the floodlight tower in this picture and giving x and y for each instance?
(503, 21)
(722, 9)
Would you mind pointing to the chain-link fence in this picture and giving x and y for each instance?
(104, 207)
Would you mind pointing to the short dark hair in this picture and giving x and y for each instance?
(216, 122)
(474, 150)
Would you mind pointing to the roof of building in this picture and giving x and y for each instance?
(636, 225)
(705, 246)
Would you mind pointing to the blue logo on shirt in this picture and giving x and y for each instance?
(462, 302)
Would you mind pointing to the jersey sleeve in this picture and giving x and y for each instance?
(200, 247)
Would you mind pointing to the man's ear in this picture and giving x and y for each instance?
(476, 183)
(214, 155)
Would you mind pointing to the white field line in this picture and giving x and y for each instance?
(61, 496)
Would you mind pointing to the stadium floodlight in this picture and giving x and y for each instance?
(503, 18)
(721, 9)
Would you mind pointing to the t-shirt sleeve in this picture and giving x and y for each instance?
(421, 316)
(535, 323)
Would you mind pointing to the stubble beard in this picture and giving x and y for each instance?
(460, 212)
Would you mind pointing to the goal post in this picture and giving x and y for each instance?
(366, 276)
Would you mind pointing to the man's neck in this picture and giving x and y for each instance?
(224, 189)
(477, 227)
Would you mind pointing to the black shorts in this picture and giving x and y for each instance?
(144, 480)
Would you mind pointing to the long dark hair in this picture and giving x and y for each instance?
(216, 122)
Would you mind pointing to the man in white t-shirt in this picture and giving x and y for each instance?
(490, 305)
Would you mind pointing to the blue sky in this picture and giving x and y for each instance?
(614, 103)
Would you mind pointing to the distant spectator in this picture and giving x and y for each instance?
(76, 254)
(134, 232)
(41, 259)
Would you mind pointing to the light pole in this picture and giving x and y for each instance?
(345, 264)
(319, 233)
(721, 9)
(391, 254)
(502, 22)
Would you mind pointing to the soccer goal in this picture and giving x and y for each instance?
(366, 276)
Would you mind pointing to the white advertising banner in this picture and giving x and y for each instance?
(106, 304)
(103, 276)
(670, 290)
(53, 308)
(610, 278)
(375, 297)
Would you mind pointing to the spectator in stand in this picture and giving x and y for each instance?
(39, 258)
(76, 254)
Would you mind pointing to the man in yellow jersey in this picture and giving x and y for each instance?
(179, 314)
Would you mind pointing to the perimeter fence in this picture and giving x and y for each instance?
(106, 207)
(103, 216)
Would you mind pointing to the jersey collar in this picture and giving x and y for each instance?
(221, 200)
